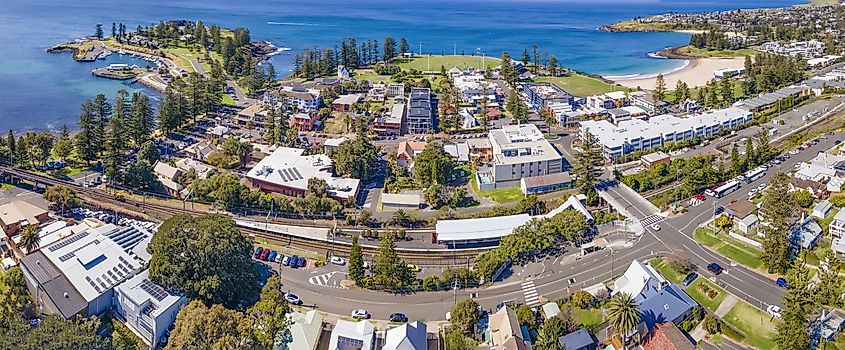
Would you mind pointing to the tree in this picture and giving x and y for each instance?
(829, 289)
(777, 207)
(102, 114)
(356, 158)
(682, 92)
(433, 165)
(464, 316)
(53, 333)
(526, 317)
(30, 240)
(205, 257)
(64, 145)
(723, 222)
(582, 299)
(356, 262)
(401, 218)
(554, 328)
(623, 314)
(455, 340)
(265, 320)
(87, 138)
(403, 46)
(149, 152)
(200, 327)
(553, 65)
(588, 166)
(16, 296)
(660, 88)
(62, 196)
(389, 50)
(98, 31)
(142, 118)
(389, 271)
(803, 198)
(798, 302)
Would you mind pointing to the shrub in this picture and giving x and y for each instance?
(680, 264)
(431, 283)
(582, 299)
(711, 325)
(686, 326)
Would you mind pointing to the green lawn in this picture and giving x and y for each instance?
(588, 318)
(704, 299)
(499, 195)
(369, 74)
(582, 85)
(433, 63)
(227, 100)
(661, 265)
(730, 248)
(696, 52)
(754, 323)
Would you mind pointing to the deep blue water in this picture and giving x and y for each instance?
(44, 91)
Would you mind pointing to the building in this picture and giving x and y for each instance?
(345, 103)
(146, 308)
(302, 99)
(407, 151)
(770, 99)
(342, 72)
(474, 88)
(390, 124)
(637, 135)
(304, 121)
(458, 151)
(395, 90)
(19, 214)
(728, 72)
(76, 276)
(408, 336)
(578, 340)
(168, 176)
(87, 178)
(421, 111)
(189, 165)
(255, 115)
(305, 329)
(518, 151)
(347, 335)
(545, 183)
(287, 171)
(667, 336)
(390, 201)
(332, 145)
(217, 133)
(654, 158)
(837, 225)
(640, 281)
(744, 215)
(646, 101)
(821, 210)
(540, 95)
(505, 333)
(550, 309)
(804, 233)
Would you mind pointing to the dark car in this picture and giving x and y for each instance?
(258, 252)
(272, 256)
(301, 262)
(781, 282)
(688, 280)
(715, 268)
(398, 317)
(293, 261)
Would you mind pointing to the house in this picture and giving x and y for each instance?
(333, 144)
(189, 165)
(654, 158)
(741, 212)
(348, 335)
(837, 225)
(459, 151)
(16, 215)
(640, 281)
(817, 189)
(255, 115)
(217, 133)
(505, 333)
(545, 183)
(659, 300)
(407, 151)
(408, 336)
(169, 177)
(667, 336)
(390, 124)
(815, 172)
(821, 209)
(345, 103)
(395, 90)
(342, 72)
(747, 224)
(804, 233)
(305, 329)
(390, 201)
(827, 325)
(146, 308)
(287, 171)
(578, 340)
(304, 121)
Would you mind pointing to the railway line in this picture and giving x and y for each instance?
(157, 212)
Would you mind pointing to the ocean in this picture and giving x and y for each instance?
(43, 91)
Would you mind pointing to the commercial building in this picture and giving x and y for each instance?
(287, 171)
(519, 151)
(646, 101)
(652, 159)
(347, 335)
(540, 95)
(770, 99)
(421, 111)
(390, 201)
(16, 215)
(307, 100)
(545, 183)
(256, 115)
(390, 124)
(146, 308)
(76, 276)
(636, 135)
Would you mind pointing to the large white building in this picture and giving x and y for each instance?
(473, 87)
(287, 171)
(353, 335)
(76, 276)
(519, 151)
(634, 135)
(146, 308)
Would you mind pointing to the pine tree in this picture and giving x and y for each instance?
(102, 114)
(389, 271)
(63, 145)
(777, 208)
(356, 262)
(116, 145)
(660, 88)
(86, 139)
(10, 142)
(403, 46)
(142, 118)
(588, 164)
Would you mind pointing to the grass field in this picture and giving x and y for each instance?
(582, 85)
(730, 248)
(704, 299)
(433, 63)
(754, 323)
(588, 318)
(499, 195)
(696, 52)
(369, 74)
(634, 26)
(660, 264)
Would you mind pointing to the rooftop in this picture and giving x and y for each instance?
(349, 99)
(408, 336)
(142, 291)
(479, 229)
(640, 281)
(352, 335)
(289, 168)
(520, 144)
(21, 212)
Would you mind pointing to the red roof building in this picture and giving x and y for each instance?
(666, 336)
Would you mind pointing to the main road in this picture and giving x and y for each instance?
(553, 278)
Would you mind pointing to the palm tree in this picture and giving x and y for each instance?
(30, 239)
(623, 314)
(400, 217)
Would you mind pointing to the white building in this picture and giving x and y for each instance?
(520, 151)
(287, 171)
(353, 335)
(635, 135)
(307, 100)
(408, 336)
(305, 329)
(640, 281)
(837, 226)
(146, 308)
(474, 87)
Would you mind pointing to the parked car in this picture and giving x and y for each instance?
(398, 317)
(366, 265)
(781, 282)
(301, 262)
(293, 299)
(773, 310)
(413, 268)
(272, 256)
(258, 252)
(714, 268)
(689, 279)
(286, 260)
(360, 313)
(279, 258)
(264, 254)
(338, 260)
(294, 262)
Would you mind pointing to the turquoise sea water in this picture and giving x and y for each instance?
(44, 91)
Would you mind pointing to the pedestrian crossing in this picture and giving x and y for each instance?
(651, 219)
(323, 280)
(530, 291)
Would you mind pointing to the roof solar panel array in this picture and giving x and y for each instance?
(153, 289)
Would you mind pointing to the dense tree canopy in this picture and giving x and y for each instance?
(433, 165)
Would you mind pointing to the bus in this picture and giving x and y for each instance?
(725, 189)
(754, 174)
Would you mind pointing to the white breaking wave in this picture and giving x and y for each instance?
(647, 76)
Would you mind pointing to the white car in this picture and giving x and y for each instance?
(655, 227)
(793, 152)
(773, 310)
(761, 186)
(360, 313)
(293, 299)
(338, 260)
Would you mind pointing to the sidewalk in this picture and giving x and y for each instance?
(726, 305)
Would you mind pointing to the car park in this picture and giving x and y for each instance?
(360, 314)
(781, 282)
(773, 310)
(293, 299)
(714, 268)
(338, 260)
(398, 317)
(689, 279)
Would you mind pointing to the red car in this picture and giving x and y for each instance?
(264, 254)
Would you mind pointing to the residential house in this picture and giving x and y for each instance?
(146, 308)
(667, 336)
(821, 209)
(187, 165)
(345, 103)
(348, 335)
(743, 213)
(817, 189)
(804, 233)
(395, 90)
(217, 133)
(505, 333)
(837, 225)
(550, 309)
(578, 340)
(659, 300)
(459, 151)
(304, 121)
(407, 151)
(169, 177)
(333, 144)
(305, 329)
(17, 215)
(826, 326)
(408, 336)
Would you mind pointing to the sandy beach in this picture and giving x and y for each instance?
(697, 73)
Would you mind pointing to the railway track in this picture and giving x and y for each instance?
(157, 212)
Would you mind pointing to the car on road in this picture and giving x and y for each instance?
(338, 260)
(398, 317)
(285, 260)
(655, 227)
(773, 310)
(293, 299)
(413, 268)
(360, 313)
(761, 186)
(715, 268)
(689, 279)
(258, 252)
(781, 282)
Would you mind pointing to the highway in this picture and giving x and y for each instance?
(551, 279)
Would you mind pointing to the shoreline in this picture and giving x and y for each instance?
(695, 71)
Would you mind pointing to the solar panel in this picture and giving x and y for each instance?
(68, 241)
(153, 290)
